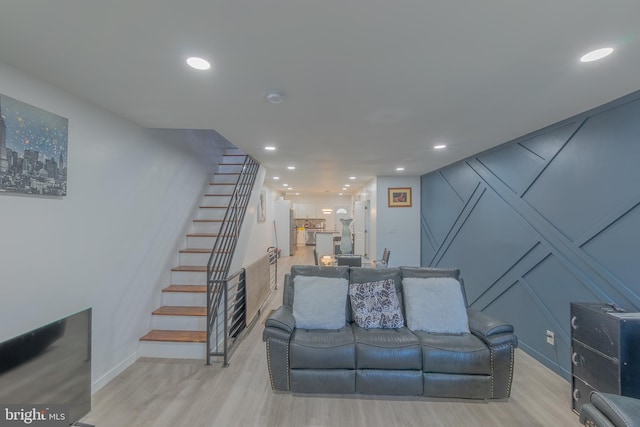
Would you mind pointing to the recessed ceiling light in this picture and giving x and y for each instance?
(399, 169)
(339, 194)
(289, 188)
(344, 188)
(270, 148)
(347, 185)
(274, 97)
(276, 178)
(352, 177)
(291, 167)
(594, 55)
(285, 185)
(439, 147)
(297, 194)
(198, 63)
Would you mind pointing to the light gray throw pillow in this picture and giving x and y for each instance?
(435, 304)
(319, 302)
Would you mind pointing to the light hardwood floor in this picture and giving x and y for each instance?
(167, 392)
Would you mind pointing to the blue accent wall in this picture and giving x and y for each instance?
(541, 221)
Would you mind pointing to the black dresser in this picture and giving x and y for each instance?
(605, 352)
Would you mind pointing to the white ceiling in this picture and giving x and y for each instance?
(370, 85)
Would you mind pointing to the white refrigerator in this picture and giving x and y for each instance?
(284, 227)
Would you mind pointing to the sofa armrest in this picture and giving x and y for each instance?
(490, 330)
(277, 333)
(618, 410)
(280, 323)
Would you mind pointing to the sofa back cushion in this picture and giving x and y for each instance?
(320, 302)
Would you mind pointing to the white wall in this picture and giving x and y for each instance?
(398, 228)
(255, 238)
(369, 192)
(111, 242)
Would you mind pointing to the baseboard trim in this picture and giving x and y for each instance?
(113, 372)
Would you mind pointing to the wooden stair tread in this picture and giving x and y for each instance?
(197, 268)
(175, 336)
(175, 310)
(199, 289)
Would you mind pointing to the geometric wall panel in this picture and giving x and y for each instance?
(531, 328)
(462, 179)
(547, 145)
(624, 235)
(556, 287)
(514, 165)
(543, 221)
(427, 247)
(491, 240)
(443, 208)
(594, 174)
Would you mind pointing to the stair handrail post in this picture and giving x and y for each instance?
(208, 362)
(226, 322)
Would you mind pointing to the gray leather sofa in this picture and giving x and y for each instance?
(351, 359)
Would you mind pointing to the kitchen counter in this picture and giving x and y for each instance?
(324, 242)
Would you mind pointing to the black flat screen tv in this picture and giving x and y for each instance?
(50, 365)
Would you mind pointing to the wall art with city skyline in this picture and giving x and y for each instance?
(33, 150)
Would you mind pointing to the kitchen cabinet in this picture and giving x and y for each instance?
(605, 352)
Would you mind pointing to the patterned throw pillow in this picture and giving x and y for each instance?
(376, 305)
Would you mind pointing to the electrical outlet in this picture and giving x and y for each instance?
(551, 338)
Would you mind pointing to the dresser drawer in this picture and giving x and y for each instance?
(580, 392)
(590, 325)
(595, 369)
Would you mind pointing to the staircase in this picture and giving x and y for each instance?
(179, 326)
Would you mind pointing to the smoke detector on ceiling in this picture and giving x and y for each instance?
(274, 97)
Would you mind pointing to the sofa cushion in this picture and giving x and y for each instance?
(319, 302)
(322, 349)
(375, 304)
(387, 349)
(454, 354)
(435, 304)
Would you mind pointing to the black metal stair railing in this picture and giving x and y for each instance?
(226, 303)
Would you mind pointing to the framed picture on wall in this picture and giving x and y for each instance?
(400, 197)
(33, 150)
